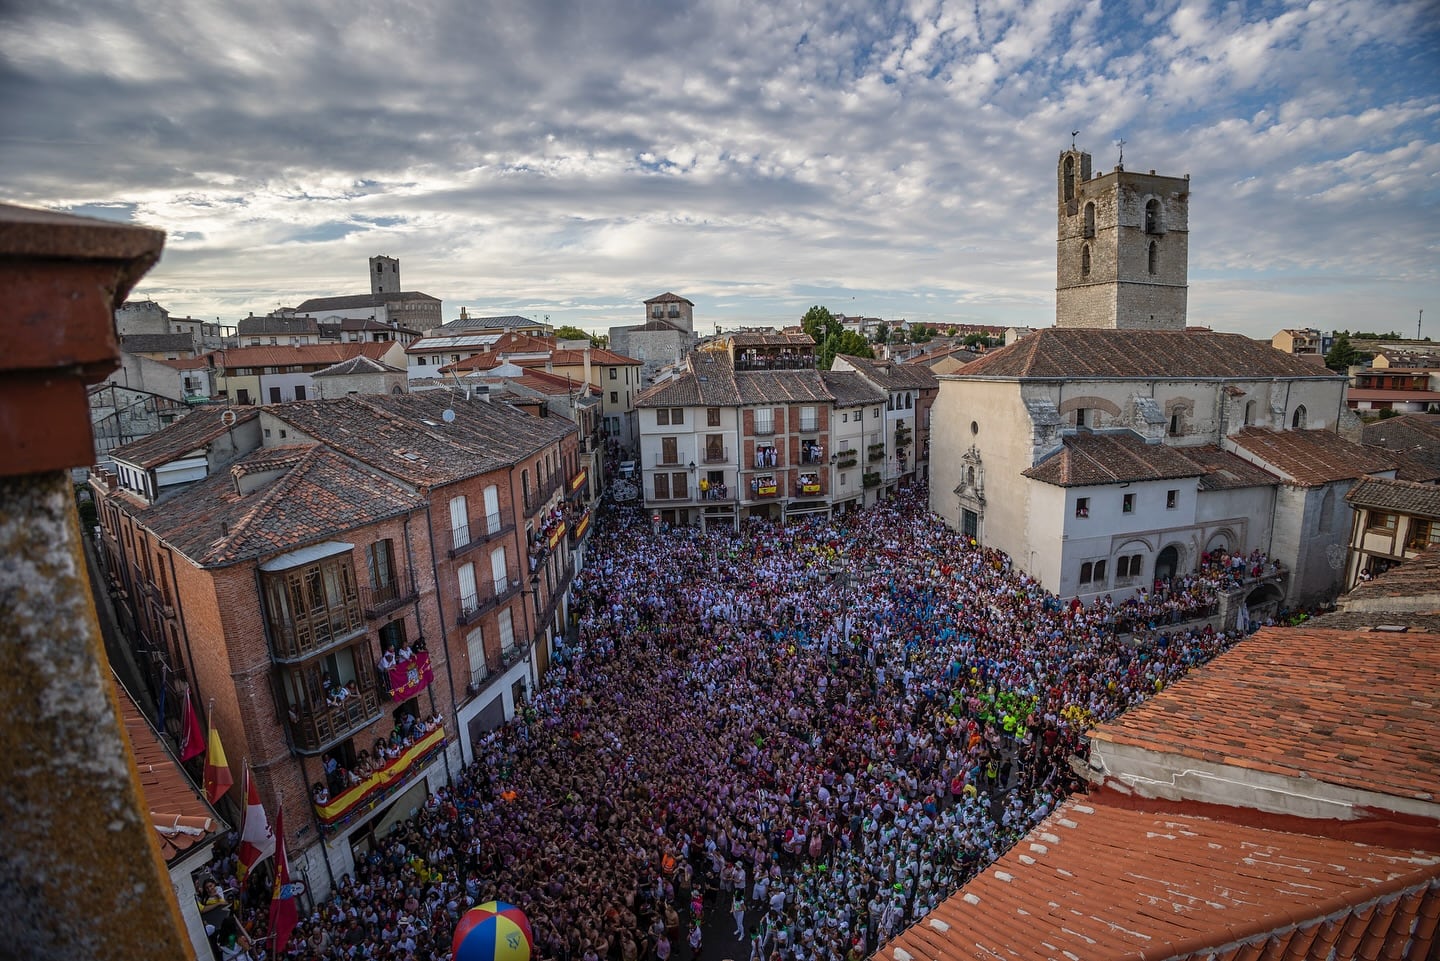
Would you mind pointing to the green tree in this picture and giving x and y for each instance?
(819, 323)
(569, 332)
(882, 334)
(1342, 354)
(921, 333)
(976, 340)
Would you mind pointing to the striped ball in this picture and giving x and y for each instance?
(493, 931)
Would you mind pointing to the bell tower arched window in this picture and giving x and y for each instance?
(1153, 224)
(1085, 260)
(1067, 180)
(1090, 220)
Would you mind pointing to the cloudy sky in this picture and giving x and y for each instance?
(572, 157)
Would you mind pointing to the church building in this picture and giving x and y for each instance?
(1118, 447)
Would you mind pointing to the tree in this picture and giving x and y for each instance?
(845, 342)
(569, 332)
(819, 323)
(882, 333)
(1343, 355)
(921, 333)
(976, 340)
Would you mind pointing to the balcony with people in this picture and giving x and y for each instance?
(359, 778)
(766, 455)
(812, 453)
(329, 698)
(764, 485)
(311, 609)
(808, 485)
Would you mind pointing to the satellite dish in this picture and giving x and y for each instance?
(449, 416)
(228, 418)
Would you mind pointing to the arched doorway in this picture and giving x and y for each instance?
(1166, 563)
(1263, 603)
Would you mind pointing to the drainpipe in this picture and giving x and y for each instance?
(449, 677)
(440, 608)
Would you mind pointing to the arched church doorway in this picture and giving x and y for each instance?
(1166, 563)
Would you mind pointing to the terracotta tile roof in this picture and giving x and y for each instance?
(1405, 497)
(1225, 471)
(1084, 459)
(191, 432)
(669, 298)
(359, 364)
(506, 322)
(1409, 585)
(599, 356)
(547, 382)
(1372, 394)
(1308, 458)
(1077, 353)
(406, 435)
(711, 380)
(768, 339)
(316, 494)
(185, 363)
(1345, 708)
(291, 355)
(183, 820)
(657, 325)
(156, 343)
(850, 389)
(891, 375)
(1102, 882)
(958, 351)
(1414, 438)
(352, 301)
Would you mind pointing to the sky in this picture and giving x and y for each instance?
(570, 158)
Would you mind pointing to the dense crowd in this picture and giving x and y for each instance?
(821, 730)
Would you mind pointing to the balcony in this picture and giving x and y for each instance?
(811, 489)
(541, 497)
(715, 455)
(311, 634)
(386, 783)
(871, 479)
(384, 598)
(318, 729)
(764, 487)
(810, 426)
(663, 459)
(471, 535)
(876, 452)
(764, 430)
(475, 606)
(812, 454)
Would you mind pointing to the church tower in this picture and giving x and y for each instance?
(1122, 246)
(384, 275)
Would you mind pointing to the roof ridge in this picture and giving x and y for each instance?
(285, 482)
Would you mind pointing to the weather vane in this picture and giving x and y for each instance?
(1073, 135)
(1121, 145)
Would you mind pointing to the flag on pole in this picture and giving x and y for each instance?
(192, 738)
(284, 912)
(257, 841)
(218, 778)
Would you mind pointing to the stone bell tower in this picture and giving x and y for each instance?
(1122, 247)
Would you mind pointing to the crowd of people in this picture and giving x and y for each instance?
(820, 730)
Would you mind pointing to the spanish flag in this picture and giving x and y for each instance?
(218, 778)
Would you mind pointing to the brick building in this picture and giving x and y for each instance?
(275, 560)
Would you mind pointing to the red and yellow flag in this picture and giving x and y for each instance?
(218, 778)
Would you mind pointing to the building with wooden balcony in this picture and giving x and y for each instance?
(356, 567)
(720, 443)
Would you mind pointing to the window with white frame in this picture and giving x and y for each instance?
(498, 573)
(507, 630)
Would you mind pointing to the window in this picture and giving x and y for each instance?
(875, 413)
(662, 487)
(679, 486)
(506, 626)
(1423, 533)
(299, 391)
(1093, 572)
(1154, 256)
(274, 395)
(1086, 571)
(844, 417)
(1068, 179)
(712, 417)
(1127, 506)
(1100, 572)
(1249, 413)
(1082, 507)
(614, 372)
(499, 576)
(1089, 220)
(1085, 261)
(1176, 423)
(1297, 420)
(1380, 521)
(614, 397)
(677, 415)
(459, 522)
(765, 421)
(669, 450)
(1128, 567)
(1082, 414)
(380, 559)
(469, 596)
(1153, 224)
(492, 509)
(909, 401)
(1172, 500)
(809, 420)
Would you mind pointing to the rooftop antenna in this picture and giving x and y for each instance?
(1073, 135)
(1418, 321)
(1121, 145)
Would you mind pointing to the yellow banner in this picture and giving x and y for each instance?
(343, 803)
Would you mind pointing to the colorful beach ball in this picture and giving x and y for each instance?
(493, 931)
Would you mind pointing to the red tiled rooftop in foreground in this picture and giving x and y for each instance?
(1100, 882)
(1351, 708)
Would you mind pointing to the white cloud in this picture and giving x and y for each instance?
(581, 156)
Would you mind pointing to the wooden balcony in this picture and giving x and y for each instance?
(379, 601)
